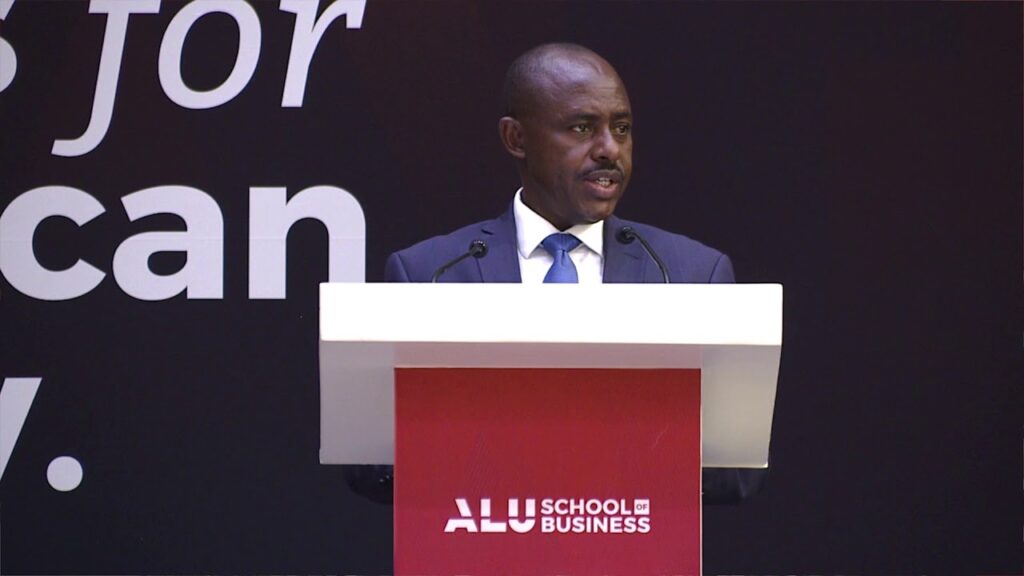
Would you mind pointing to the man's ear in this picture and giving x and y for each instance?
(510, 131)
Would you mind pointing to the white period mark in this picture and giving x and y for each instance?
(64, 473)
(16, 396)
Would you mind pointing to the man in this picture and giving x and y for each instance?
(568, 125)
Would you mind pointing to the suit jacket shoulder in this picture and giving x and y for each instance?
(418, 262)
(687, 260)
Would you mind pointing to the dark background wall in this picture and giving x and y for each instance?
(866, 156)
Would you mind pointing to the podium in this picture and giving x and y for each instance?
(548, 429)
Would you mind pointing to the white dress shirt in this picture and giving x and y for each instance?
(534, 260)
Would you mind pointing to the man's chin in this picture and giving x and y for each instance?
(598, 211)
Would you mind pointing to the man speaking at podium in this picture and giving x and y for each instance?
(568, 125)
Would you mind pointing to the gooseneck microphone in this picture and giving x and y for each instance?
(477, 249)
(627, 234)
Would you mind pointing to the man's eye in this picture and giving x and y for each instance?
(581, 128)
(623, 129)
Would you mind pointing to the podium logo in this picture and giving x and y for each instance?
(557, 516)
(466, 521)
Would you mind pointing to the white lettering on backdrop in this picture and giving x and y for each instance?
(271, 216)
(306, 36)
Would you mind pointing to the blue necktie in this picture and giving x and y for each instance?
(562, 270)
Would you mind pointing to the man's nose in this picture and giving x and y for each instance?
(606, 146)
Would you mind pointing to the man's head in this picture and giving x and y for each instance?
(568, 123)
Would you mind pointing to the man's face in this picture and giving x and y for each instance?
(577, 143)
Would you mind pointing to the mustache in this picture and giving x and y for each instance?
(608, 170)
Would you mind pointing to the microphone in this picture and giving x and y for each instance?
(477, 249)
(627, 234)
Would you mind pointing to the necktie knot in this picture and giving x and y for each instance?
(562, 270)
(560, 242)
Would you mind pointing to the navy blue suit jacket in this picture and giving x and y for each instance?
(687, 260)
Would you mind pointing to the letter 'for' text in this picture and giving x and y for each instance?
(249, 39)
(306, 36)
(117, 12)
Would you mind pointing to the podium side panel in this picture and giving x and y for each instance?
(357, 403)
(738, 393)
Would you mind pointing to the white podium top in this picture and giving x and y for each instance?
(732, 332)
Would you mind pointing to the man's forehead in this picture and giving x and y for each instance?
(579, 84)
(591, 100)
(565, 70)
(573, 66)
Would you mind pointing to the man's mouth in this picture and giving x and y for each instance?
(604, 180)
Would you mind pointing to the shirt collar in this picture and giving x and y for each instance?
(532, 229)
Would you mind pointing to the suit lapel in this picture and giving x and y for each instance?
(623, 263)
(502, 261)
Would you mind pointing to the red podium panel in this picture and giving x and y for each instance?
(547, 471)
